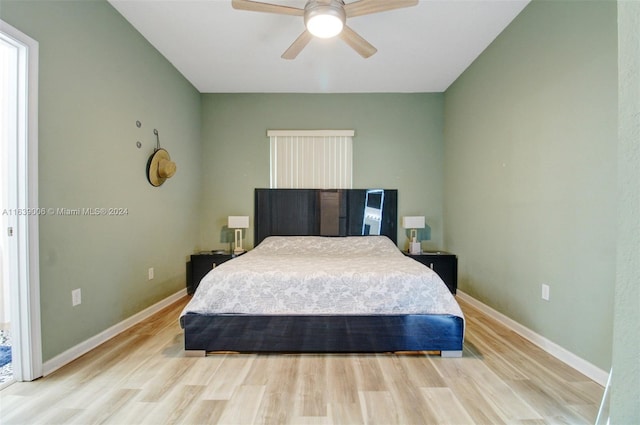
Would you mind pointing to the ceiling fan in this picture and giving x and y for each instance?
(326, 19)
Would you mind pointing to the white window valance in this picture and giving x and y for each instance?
(311, 159)
(311, 133)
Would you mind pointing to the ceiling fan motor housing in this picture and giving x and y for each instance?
(329, 15)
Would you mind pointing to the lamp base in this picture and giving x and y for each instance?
(238, 243)
(415, 248)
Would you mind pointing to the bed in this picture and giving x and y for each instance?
(325, 276)
(338, 249)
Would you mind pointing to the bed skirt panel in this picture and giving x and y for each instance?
(323, 334)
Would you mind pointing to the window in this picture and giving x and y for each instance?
(311, 159)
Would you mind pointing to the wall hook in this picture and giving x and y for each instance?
(157, 138)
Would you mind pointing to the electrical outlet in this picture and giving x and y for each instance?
(76, 297)
(151, 273)
(545, 292)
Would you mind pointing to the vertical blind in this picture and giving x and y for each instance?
(311, 159)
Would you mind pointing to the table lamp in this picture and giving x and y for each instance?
(238, 222)
(414, 223)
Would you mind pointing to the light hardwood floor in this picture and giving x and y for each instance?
(141, 377)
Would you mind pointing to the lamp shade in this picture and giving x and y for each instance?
(325, 26)
(412, 222)
(324, 19)
(238, 222)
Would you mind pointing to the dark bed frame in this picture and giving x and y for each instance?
(309, 212)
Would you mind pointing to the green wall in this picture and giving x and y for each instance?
(530, 174)
(398, 145)
(97, 77)
(625, 405)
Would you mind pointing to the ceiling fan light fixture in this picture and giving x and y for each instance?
(324, 20)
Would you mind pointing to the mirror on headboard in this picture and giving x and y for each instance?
(372, 212)
(373, 209)
(319, 212)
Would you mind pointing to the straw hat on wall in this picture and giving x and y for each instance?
(160, 167)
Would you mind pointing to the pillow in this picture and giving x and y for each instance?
(327, 246)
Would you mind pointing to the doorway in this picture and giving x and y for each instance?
(8, 110)
(19, 268)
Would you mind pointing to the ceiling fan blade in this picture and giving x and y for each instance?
(367, 7)
(256, 6)
(297, 46)
(357, 43)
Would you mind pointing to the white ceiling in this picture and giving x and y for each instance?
(223, 50)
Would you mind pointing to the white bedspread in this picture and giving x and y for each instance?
(323, 275)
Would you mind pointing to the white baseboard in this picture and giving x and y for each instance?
(576, 362)
(73, 353)
(562, 354)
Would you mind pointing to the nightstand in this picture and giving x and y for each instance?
(443, 263)
(203, 263)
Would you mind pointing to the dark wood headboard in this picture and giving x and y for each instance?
(324, 212)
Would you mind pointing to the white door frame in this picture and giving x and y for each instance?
(24, 214)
